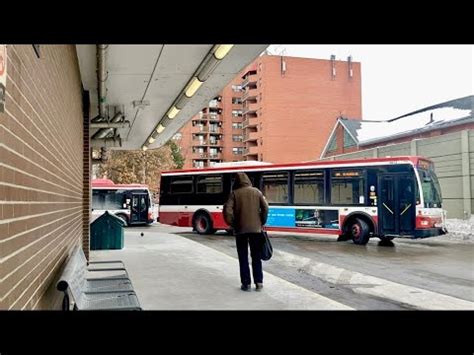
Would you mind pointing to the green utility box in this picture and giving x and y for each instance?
(107, 232)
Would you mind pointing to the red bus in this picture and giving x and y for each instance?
(358, 199)
(131, 202)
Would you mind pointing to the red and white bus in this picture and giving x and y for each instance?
(358, 199)
(131, 202)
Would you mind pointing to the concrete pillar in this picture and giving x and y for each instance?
(414, 147)
(466, 177)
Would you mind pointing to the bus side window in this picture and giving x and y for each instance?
(209, 184)
(347, 187)
(308, 188)
(275, 187)
(181, 185)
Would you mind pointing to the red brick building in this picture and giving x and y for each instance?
(350, 135)
(284, 113)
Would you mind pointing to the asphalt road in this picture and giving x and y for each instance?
(432, 273)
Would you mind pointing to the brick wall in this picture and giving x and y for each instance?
(42, 211)
(298, 108)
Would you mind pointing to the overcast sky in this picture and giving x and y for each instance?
(398, 79)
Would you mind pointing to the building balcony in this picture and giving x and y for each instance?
(214, 130)
(199, 156)
(200, 119)
(250, 136)
(215, 156)
(206, 129)
(249, 94)
(249, 80)
(216, 103)
(250, 108)
(251, 151)
(250, 122)
(206, 156)
(199, 129)
(199, 143)
(214, 117)
(213, 110)
(216, 143)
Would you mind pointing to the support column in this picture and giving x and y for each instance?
(466, 177)
(414, 147)
(375, 152)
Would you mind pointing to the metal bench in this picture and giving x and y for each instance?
(104, 293)
(104, 266)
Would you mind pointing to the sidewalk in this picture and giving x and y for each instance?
(170, 272)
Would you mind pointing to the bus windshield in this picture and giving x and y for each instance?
(431, 188)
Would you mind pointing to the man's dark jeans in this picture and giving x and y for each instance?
(255, 241)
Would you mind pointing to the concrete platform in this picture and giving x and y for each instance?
(170, 272)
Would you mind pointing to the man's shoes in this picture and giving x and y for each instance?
(258, 287)
(245, 288)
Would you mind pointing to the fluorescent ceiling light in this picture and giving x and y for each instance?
(173, 112)
(144, 148)
(222, 50)
(193, 87)
(151, 140)
(160, 128)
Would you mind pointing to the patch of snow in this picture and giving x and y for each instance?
(460, 229)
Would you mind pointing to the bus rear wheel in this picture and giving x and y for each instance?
(203, 224)
(359, 231)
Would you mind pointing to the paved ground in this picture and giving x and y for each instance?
(173, 268)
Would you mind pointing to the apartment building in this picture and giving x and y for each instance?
(280, 110)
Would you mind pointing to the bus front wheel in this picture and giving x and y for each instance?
(359, 231)
(203, 224)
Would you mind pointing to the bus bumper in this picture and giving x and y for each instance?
(428, 232)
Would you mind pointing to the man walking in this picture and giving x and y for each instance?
(246, 212)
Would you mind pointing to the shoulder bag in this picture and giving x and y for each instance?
(267, 249)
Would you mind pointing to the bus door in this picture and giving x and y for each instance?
(139, 208)
(396, 207)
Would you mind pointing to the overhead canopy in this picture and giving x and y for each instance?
(157, 74)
